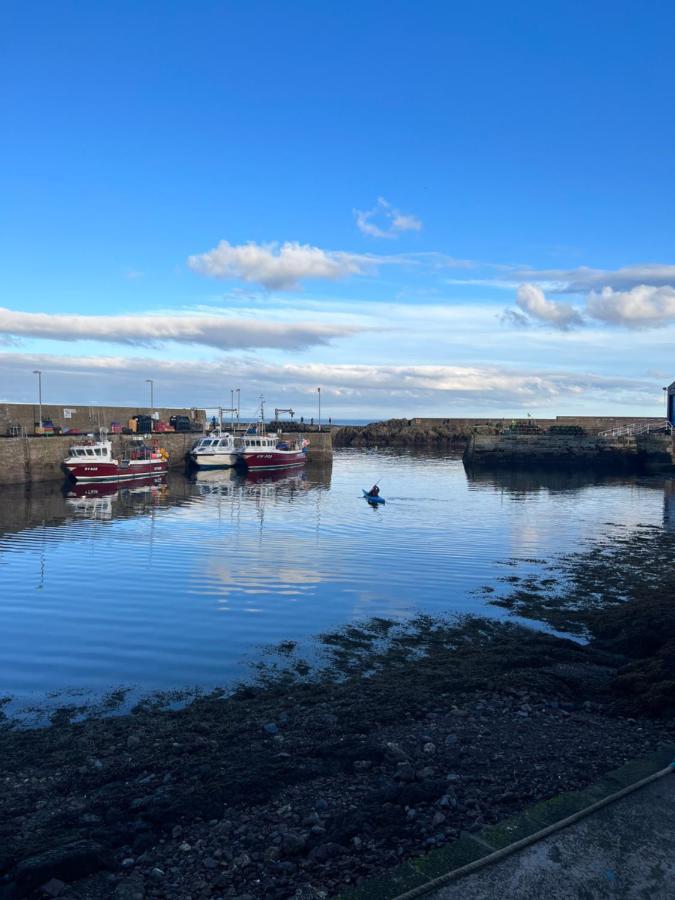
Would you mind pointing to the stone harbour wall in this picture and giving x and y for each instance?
(653, 451)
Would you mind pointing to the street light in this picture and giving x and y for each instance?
(38, 372)
(238, 407)
(319, 393)
(152, 395)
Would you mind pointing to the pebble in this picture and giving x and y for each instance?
(327, 851)
(292, 844)
(405, 772)
(271, 727)
(429, 748)
(395, 754)
(53, 887)
(185, 847)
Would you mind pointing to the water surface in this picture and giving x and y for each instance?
(159, 587)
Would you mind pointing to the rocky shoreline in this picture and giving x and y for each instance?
(402, 434)
(313, 778)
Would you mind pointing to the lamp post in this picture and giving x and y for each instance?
(232, 408)
(152, 395)
(318, 390)
(238, 406)
(38, 372)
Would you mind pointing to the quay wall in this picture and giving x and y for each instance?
(86, 418)
(24, 460)
(320, 443)
(650, 452)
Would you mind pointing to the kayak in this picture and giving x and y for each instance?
(371, 498)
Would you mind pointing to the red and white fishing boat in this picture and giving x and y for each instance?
(93, 461)
(258, 449)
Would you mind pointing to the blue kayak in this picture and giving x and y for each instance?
(371, 498)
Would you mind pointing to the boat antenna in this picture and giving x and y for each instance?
(262, 414)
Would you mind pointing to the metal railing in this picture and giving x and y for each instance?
(656, 427)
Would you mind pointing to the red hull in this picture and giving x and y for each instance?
(274, 459)
(93, 471)
(110, 488)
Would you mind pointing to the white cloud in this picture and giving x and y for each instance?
(384, 389)
(584, 279)
(385, 221)
(212, 331)
(644, 306)
(641, 307)
(278, 267)
(530, 298)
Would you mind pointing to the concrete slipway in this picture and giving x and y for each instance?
(624, 850)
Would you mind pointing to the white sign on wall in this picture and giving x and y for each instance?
(68, 413)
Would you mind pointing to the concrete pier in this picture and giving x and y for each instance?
(651, 452)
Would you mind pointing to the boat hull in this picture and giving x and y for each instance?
(274, 459)
(213, 460)
(93, 472)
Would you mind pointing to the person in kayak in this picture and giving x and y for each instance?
(374, 491)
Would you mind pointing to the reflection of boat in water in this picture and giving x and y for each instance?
(92, 507)
(230, 481)
(96, 500)
(216, 481)
(290, 474)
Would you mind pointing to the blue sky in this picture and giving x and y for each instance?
(424, 208)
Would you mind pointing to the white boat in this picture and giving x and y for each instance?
(214, 451)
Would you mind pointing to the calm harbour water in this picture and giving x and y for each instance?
(181, 585)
